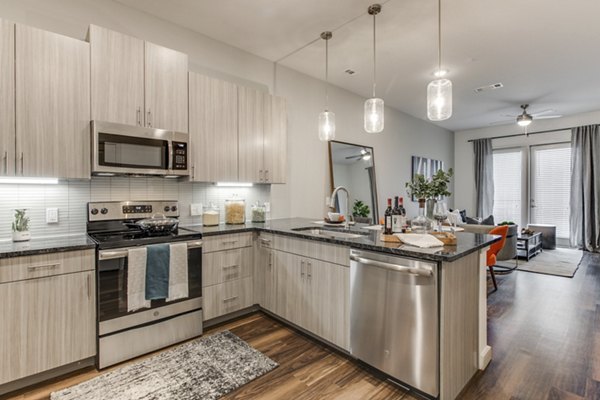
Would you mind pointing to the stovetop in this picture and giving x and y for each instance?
(132, 237)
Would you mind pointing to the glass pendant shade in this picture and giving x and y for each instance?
(326, 126)
(439, 100)
(374, 122)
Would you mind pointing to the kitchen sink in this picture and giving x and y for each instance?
(331, 233)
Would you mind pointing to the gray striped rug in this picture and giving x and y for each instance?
(206, 368)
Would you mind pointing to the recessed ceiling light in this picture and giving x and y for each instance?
(485, 88)
(350, 71)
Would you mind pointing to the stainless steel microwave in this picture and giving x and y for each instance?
(119, 149)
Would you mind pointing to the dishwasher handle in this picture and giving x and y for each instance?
(392, 267)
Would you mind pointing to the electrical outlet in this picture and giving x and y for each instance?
(196, 209)
(51, 215)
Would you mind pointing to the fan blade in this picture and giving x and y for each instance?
(500, 122)
(510, 115)
(548, 116)
(535, 114)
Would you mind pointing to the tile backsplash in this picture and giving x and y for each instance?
(71, 198)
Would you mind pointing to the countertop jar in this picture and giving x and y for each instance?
(235, 211)
(259, 213)
(210, 215)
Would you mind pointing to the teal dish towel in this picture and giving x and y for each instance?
(157, 271)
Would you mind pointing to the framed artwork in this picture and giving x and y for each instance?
(426, 167)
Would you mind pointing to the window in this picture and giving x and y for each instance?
(508, 204)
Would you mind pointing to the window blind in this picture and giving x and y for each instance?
(507, 185)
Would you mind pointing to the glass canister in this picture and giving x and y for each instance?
(235, 211)
(210, 215)
(259, 212)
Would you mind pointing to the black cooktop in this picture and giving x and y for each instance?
(134, 237)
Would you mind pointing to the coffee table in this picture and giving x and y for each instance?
(529, 245)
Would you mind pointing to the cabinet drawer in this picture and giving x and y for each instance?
(38, 266)
(228, 265)
(311, 248)
(227, 297)
(226, 242)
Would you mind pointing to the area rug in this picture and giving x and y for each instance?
(558, 262)
(206, 368)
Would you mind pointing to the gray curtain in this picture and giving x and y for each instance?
(484, 177)
(585, 188)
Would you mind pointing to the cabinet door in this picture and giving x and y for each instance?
(213, 129)
(117, 65)
(166, 79)
(265, 280)
(275, 139)
(7, 98)
(251, 126)
(52, 104)
(290, 287)
(46, 323)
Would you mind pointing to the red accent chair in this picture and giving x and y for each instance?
(494, 249)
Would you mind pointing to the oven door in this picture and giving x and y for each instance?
(124, 149)
(112, 284)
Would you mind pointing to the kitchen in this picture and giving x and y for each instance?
(289, 189)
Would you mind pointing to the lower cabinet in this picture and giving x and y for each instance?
(227, 297)
(46, 322)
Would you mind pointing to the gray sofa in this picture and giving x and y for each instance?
(509, 251)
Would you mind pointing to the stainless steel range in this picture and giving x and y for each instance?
(117, 228)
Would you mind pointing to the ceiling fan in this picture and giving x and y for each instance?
(364, 154)
(526, 118)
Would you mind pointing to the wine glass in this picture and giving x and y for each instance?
(440, 213)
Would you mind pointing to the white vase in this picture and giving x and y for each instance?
(21, 236)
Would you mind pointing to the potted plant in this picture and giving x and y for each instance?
(439, 188)
(20, 227)
(421, 189)
(360, 212)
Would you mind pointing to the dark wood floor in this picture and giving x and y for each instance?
(544, 330)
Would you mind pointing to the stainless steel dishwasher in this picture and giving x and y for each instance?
(394, 317)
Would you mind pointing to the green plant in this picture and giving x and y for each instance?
(506, 223)
(21, 222)
(419, 187)
(439, 183)
(360, 209)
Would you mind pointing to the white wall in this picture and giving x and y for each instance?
(464, 182)
(308, 175)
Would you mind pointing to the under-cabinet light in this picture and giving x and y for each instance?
(32, 181)
(234, 184)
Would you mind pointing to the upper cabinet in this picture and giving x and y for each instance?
(213, 129)
(52, 88)
(117, 63)
(7, 98)
(262, 137)
(136, 82)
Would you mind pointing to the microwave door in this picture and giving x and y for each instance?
(133, 153)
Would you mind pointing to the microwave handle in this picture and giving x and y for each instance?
(171, 155)
(123, 253)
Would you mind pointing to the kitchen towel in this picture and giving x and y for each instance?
(178, 272)
(420, 240)
(157, 271)
(136, 279)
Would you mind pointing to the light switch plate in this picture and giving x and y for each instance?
(195, 209)
(51, 215)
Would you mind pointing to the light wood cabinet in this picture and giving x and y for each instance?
(262, 137)
(7, 98)
(52, 74)
(47, 322)
(265, 279)
(136, 82)
(213, 129)
(117, 76)
(166, 83)
(227, 297)
(225, 266)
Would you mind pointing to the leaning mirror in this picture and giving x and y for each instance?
(353, 167)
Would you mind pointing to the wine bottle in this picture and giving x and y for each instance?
(396, 227)
(387, 228)
(402, 212)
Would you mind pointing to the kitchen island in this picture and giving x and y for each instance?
(303, 274)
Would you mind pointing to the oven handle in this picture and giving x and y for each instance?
(123, 253)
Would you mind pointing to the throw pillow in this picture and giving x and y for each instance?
(472, 221)
(488, 221)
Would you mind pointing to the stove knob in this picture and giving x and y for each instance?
(174, 208)
(104, 210)
(94, 211)
(167, 208)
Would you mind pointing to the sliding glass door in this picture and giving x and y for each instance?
(550, 186)
(509, 186)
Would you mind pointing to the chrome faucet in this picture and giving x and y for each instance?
(332, 204)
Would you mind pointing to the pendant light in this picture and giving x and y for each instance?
(374, 106)
(326, 118)
(439, 91)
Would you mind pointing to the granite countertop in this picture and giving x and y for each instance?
(467, 242)
(45, 245)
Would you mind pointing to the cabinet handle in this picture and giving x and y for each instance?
(309, 270)
(6, 162)
(89, 286)
(21, 163)
(230, 299)
(266, 175)
(270, 260)
(149, 119)
(302, 273)
(32, 268)
(260, 175)
(139, 116)
(229, 242)
(230, 266)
